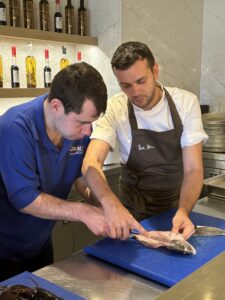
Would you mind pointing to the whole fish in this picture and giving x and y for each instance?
(208, 231)
(168, 239)
(22, 292)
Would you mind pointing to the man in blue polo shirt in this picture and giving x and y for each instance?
(42, 146)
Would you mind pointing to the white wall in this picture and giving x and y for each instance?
(173, 31)
(213, 55)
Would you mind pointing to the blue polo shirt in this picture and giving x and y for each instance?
(30, 164)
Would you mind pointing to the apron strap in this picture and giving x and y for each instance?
(174, 113)
(132, 118)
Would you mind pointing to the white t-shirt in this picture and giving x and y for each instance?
(114, 125)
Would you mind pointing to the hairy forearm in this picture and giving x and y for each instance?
(99, 186)
(49, 207)
(191, 189)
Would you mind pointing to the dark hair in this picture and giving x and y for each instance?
(128, 53)
(77, 82)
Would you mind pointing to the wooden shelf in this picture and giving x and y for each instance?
(21, 92)
(34, 34)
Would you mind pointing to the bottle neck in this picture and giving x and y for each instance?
(82, 4)
(14, 60)
(57, 5)
(47, 62)
(30, 50)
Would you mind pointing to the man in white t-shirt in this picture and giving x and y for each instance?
(160, 137)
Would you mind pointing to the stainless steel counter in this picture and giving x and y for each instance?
(96, 280)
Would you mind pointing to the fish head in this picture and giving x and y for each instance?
(182, 246)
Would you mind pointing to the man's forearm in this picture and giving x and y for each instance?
(99, 186)
(49, 207)
(190, 190)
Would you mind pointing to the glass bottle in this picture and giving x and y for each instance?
(69, 18)
(14, 13)
(47, 71)
(1, 72)
(2, 13)
(64, 62)
(15, 79)
(58, 18)
(82, 19)
(30, 68)
(28, 14)
(44, 15)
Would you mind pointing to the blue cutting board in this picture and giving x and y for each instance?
(25, 279)
(161, 265)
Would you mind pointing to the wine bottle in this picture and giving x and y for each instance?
(69, 18)
(47, 71)
(1, 72)
(82, 19)
(2, 13)
(44, 15)
(64, 62)
(14, 13)
(58, 17)
(15, 79)
(28, 14)
(30, 68)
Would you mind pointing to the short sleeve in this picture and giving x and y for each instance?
(193, 132)
(105, 129)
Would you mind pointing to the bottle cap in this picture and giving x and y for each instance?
(79, 56)
(13, 50)
(46, 54)
(63, 49)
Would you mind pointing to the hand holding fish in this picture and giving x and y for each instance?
(182, 224)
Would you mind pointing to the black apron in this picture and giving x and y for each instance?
(151, 179)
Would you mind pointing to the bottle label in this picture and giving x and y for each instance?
(2, 14)
(47, 77)
(58, 22)
(28, 15)
(82, 23)
(16, 78)
(44, 17)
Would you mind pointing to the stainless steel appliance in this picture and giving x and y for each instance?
(214, 164)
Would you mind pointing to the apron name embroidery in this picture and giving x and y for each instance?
(145, 147)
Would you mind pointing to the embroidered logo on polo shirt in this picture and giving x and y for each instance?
(145, 147)
(76, 150)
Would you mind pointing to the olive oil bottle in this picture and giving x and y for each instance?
(64, 61)
(30, 68)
